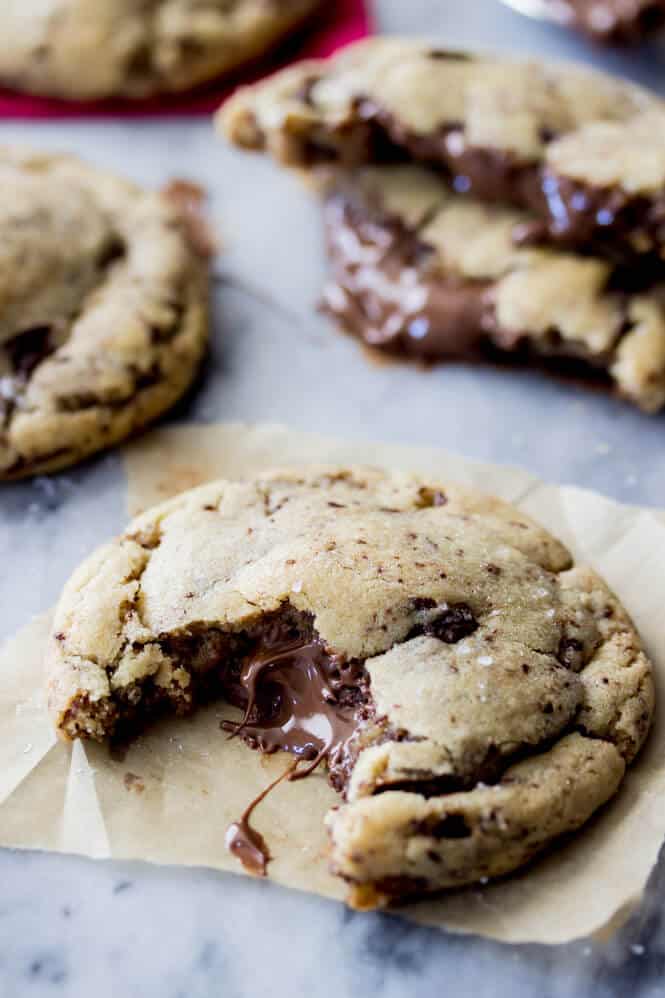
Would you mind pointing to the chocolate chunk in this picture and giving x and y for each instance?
(456, 622)
(423, 603)
(453, 826)
(28, 349)
(449, 55)
(571, 653)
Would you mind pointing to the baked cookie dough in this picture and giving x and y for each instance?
(421, 271)
(583, 152)
(103, 310)
(89, 49)
(476, 695)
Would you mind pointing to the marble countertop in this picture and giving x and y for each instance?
(75, 928)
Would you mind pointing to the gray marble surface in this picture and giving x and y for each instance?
(77, 928)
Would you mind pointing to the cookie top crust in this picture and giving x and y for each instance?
(512, 107)
(103, 309)
(420, 270)
(90, 49)
(458, 635)
(582, 150)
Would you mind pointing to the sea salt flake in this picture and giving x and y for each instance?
(7, 388)
(485, 660)
(297, 586)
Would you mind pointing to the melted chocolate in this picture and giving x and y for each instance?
(298, 698)
(244, 842)
(294, 703)
(570, 213)
(386, 292)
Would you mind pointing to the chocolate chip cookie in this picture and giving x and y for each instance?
(474, 693)
(103, 310)
(85, 49)
(546, 196)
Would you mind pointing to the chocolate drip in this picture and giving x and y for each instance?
(244, 842)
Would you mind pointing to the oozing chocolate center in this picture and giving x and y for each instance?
(386, 293)
(390, 288)
(299, 698)
(608, 220)
(297, 702)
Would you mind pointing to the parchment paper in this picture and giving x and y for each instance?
(173, 794)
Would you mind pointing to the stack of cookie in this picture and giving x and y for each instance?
(481, 206)
(474, 207)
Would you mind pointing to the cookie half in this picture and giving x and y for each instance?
(419, 270)
(475, 693)
(90, 49)
(584, 153)
(103, 310)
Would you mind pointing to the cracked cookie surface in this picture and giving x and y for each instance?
(103, 310)
(88, 49)
(419, 270)
(489, 692)
(583, 151)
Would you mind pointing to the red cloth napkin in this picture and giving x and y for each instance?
(344, 21)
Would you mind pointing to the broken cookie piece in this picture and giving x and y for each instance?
(103, 310)
(584, 153)
(421, 271)
(472, 692)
